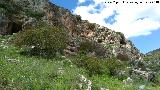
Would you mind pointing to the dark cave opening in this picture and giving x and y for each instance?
(16, 27)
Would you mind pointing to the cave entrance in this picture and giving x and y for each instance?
(16, 27)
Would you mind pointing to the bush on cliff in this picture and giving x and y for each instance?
(43, 40)
(88, 47)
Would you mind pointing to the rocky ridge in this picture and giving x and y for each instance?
(116, 43)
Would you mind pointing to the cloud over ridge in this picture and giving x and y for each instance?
(129, 18)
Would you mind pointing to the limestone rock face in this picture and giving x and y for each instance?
(31, 22)
(115, 43)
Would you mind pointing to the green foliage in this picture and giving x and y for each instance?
(122, 41)
(91, 26)
(35, 74)
(2, 10)
(153, 63)
(92, 64)
(44, 40)
(87, 47)
(31, 73)
(99, 66)
(113, 66)
(111, 83)
(153, 56)
(37, 15)
(119, 33)
(78, 18)
(153, 60)
(10, 7)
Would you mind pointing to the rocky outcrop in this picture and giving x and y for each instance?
(115, 42)
(71, 49)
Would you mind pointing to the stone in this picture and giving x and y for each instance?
(141, 87)
(103, 88)
(30, 23)
(84, 83)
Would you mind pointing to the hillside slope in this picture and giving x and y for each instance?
(22, 72)
(115, 42)
(153, 52)
(153, 60)
(44, 46)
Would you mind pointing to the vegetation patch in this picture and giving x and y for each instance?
(44, 40)
(95, 65)
(91, 47)
(35, 73)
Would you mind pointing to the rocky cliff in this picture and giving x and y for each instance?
(115, 43)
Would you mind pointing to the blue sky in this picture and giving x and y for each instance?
(139, 23)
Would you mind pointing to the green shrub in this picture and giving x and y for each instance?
(122, 40)
(87, 47)
(91, 26)
(78, 18)
(92, 64)
(45, 40)
(113, 66)
(96, 65)
(37, 15)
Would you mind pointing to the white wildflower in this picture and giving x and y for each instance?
(128, 81)
(104, 89)
(80, 85)
(89, 85)
(60, 70)
(141, 87)
(32, 46)
(83, 79)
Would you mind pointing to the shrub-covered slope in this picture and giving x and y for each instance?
(50, 48)
(23, 72)
(152, 59)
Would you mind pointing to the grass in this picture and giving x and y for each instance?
(19, 72)
(111, 83)
(24, 72)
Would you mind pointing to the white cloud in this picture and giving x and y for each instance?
(81, 1)
(132, 19)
